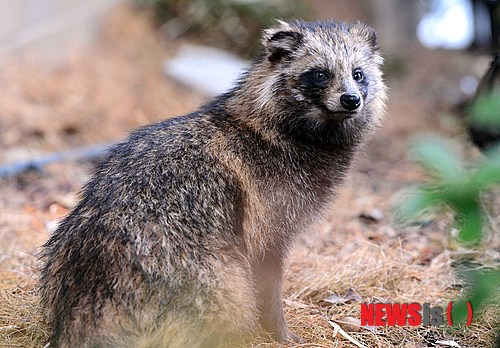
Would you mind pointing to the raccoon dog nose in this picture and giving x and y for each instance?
(350, 101)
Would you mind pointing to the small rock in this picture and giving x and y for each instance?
(372, 216)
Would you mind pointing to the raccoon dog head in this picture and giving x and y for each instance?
(328, 72)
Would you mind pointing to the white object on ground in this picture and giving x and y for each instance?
(208, 70)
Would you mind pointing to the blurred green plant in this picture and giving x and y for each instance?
(456, 185)
(459, 186)
(230, 24)
(485, 111)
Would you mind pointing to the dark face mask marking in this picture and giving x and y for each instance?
(313, 83)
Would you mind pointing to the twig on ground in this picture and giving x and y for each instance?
(79, 154)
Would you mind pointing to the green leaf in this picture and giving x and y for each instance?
(485, 286)
(470, 224)
(438, 158)
(485, 111)
(416, 202)
(488, 173)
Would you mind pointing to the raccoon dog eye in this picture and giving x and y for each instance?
(358, 75)
(320, 76)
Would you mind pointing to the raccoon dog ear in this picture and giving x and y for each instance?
(369, 34)
(372, 38)
(280, 42)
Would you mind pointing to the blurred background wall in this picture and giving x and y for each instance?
(49, 28)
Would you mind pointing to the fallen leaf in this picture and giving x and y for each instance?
(351, 294)
(354, 325)
(296, 304)
(448, 343)
(335, 299)
(350, 324)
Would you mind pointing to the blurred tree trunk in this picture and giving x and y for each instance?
(395, 21)
(343, 10)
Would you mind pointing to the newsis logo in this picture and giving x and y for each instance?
(412, 314)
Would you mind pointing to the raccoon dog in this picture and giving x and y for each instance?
(180, 237)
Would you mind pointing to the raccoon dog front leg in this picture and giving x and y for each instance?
(269, 277)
